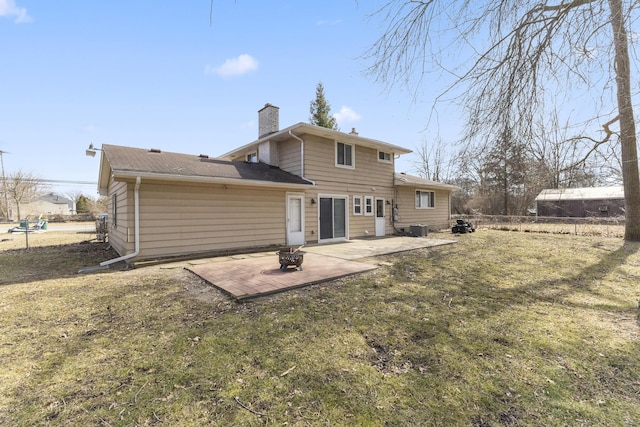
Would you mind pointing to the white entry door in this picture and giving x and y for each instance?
(295, 219)
(380, 231)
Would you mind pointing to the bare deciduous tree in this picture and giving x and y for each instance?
(434, 162)
(523, 53)
(23, 187)
(566, 162)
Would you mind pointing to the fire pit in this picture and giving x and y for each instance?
(290, 256)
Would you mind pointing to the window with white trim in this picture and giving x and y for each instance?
(368, 205)
(252, 157)
(344, 155)
(425, 199)
(357, 205)
(384, 156)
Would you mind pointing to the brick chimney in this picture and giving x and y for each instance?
(268, 120)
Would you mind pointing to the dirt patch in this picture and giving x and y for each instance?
(202, 291)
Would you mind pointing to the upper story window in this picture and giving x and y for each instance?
(252, 157)
(344, 154)
(425, 199)
(383, 156)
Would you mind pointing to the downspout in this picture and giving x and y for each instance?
(301, 157)
(136, 204)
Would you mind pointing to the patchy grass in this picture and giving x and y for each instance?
(501, 329)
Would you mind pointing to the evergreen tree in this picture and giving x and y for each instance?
(321, 111)
(83, 204)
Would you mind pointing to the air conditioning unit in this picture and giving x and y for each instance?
(418, 230)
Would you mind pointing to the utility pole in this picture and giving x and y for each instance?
(4, 180)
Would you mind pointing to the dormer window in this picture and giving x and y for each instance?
(252, 157)
(344, 155)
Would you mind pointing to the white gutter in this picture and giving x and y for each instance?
(118, 175)
(301, 157)
(136, 204)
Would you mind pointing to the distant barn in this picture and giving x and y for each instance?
(581, 202)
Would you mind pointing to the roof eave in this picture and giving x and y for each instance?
(305, 128)
(437, 185)
(104, 175)
(123, 175)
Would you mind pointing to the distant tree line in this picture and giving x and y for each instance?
(19, 188)
(504, 176)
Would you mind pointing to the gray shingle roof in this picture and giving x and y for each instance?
(56, 199)
(129, 160)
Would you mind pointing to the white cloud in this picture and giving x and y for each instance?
(234, 66)
(9, 8)
(346, 114)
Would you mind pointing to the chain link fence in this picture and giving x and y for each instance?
(591, 226)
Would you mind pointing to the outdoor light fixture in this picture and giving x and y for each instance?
(313, 201)
(91, 151)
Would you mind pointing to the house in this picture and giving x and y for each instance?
(48, 205)
(581, 202)
(293, 186)
(421, 201)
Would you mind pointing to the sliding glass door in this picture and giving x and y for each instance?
(333, 217)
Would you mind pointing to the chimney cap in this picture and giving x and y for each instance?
(267, 105)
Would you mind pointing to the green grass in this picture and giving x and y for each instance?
(501, 329)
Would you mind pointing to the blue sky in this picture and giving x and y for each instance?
(162, 75)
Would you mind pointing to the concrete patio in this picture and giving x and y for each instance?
(258, 274)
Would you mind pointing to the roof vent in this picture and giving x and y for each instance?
(204, 156)
(353, 131)
(155, 150)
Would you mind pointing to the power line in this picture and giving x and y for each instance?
(57, 181)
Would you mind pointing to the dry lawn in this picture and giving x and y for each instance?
(501, 329)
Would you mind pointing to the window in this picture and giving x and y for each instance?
(344, 154)
(384, 157)
(357, 205)
(425, 199)
(114, 210)
(368, 205)
(252, 157)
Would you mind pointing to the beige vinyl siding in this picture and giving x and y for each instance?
(289, 157)
(435, 218)
(119, 235)
(369, 177)
(320, 166)
(187, 219)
